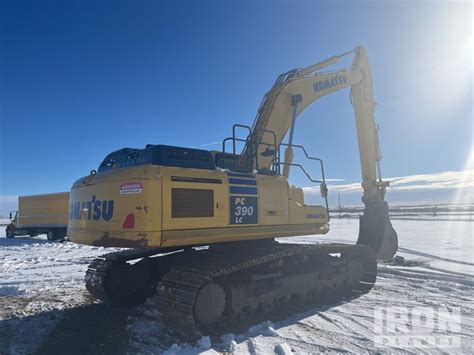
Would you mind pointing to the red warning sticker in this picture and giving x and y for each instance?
(129, 188)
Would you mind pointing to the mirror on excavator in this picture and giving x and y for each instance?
(323, 189)
(268, 152)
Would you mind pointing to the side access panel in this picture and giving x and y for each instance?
(297, 206)
(274, 200)
(193, 199)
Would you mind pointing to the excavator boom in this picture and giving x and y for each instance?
(288, 98)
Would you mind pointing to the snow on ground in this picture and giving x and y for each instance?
(4, 221)
(350, 326)
(32, 265)
(39, 280)
(447, 245)
(44, 306)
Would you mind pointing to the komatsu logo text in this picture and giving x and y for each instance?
(338, 80)
(93, 209)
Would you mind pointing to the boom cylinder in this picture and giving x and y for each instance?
(295, 100)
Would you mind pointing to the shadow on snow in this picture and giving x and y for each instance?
(103, 329)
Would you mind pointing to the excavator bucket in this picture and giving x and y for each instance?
(377, 232)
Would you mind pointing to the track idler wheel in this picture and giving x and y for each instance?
(210, 304)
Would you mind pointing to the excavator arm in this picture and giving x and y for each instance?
(296, 90)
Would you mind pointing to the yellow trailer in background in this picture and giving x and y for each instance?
(40, 214)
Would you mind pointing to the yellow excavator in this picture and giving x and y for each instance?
(200, 226)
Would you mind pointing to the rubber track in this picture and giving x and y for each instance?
(180, 286)
(97, 271)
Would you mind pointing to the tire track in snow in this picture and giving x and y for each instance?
(338, 341)
(425, 275)
(431, 256)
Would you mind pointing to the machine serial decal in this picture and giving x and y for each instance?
(93, 209)
(130, 188)
(243, 193)
(243, 210)
(338, 80)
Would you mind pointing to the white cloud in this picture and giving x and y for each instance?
(210, 144)
(441, 187)
(442, 180)
(355, 186)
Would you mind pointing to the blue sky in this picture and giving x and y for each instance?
(79, 79)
